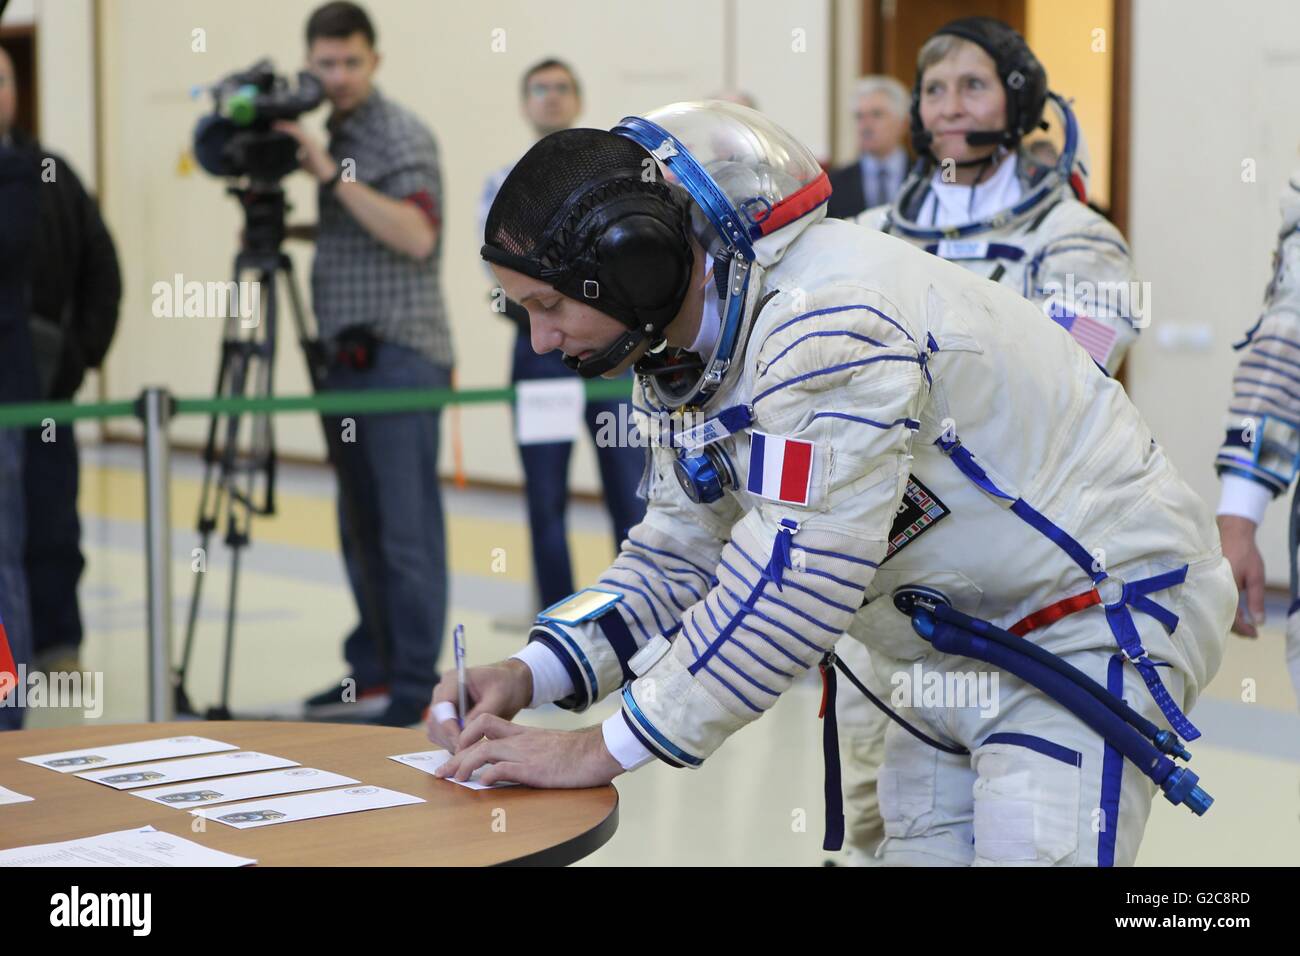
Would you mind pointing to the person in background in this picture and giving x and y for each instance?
(1028, 229)
(75, 292)
(1257, 461)
(551, 101)
(875, 178)
(19, 182)
(379, 306)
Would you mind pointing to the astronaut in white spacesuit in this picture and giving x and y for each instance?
(979, 197)
(838, 382)
(1258, 459)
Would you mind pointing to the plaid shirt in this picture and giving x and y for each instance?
(356, 279)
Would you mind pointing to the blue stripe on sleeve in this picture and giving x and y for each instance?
(832, 369)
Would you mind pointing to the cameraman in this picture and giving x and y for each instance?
(379, 307)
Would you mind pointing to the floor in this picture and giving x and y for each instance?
(757, 801)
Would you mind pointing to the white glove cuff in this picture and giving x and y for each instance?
(551, 681)
(622, 743)
(1244, 498)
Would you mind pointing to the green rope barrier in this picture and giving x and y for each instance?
(329, 403)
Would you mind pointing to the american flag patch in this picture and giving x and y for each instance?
(780, 469)
(1097, 338)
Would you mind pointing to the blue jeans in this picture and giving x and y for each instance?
(54, 560)
(13, 579)
(395, 546)
(546, 480)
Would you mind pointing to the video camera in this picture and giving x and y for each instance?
(236, 138)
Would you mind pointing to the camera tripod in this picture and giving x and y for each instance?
(239, 475)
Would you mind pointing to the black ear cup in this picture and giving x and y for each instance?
(644, 262)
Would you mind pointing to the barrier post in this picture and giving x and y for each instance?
(154, 407)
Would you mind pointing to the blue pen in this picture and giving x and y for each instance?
(458, 637)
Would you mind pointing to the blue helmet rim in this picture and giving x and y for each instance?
(703, 190)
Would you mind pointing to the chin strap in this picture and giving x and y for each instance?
(603, 361)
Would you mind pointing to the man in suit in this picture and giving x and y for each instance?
(875, 177)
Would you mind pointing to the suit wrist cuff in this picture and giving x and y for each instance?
(622, 743)
(1244, 498)
(551, 680)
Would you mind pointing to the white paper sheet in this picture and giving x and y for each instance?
(430, 760)
(146, 846)
(306, 806)
(114, 755)
(549, 410)
(202, 793)
(196, 768)
(11, 796)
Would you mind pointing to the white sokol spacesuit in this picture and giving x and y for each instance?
(1259, 458)
(1025, 227)
(1028, 228)
(852, 378)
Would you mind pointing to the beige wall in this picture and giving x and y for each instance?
(1216, 85)
(439, 61)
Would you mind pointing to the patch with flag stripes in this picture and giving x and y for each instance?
(917, 513)
(780, 468)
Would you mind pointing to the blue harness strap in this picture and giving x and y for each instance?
(1133, 594)
(834, 794)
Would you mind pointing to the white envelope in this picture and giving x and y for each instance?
(196, 768)
(202, 793)
(306, 806)
(146, 846)
(71, 761)
(11, 796)
(431, 760)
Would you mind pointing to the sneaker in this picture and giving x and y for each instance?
(347, 700)
(402, 713)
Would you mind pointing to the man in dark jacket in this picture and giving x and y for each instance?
(75, 292)
(18, 197)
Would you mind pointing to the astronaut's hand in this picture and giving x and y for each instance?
(533, 756)
(502, 689)
(1238, 538)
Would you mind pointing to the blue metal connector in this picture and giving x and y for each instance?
(1180, 787)
(1167, 742)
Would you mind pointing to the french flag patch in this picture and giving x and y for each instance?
(780, 469)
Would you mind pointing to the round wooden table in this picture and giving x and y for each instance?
(456, 826)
